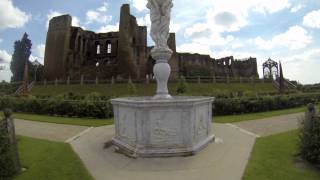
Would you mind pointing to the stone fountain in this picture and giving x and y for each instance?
(162, 125)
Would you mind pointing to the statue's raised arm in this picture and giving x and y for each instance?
(160, 11)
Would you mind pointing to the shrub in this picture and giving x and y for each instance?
(94, 96)
(9, 158)
(182, 85)
(310, 136)
(6, 163)
(132, 90)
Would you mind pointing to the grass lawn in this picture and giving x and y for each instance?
(49, 161)
(117, 90)
(273, 159)
(254, 116)
(63, 120)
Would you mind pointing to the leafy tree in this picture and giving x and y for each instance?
(21, 54)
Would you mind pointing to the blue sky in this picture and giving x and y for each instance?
(286, 30)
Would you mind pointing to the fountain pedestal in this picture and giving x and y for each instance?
(146, 127)
(162, 125)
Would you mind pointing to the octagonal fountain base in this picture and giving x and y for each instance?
(180, 126)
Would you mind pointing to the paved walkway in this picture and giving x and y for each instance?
(272, 125)
(226, 158)
(49, 131)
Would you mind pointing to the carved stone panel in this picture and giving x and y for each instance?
(165, 127)
(201, 122)
(126, 125)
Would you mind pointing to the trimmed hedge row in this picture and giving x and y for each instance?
(262, 104)
(97, 108)
(60, 107)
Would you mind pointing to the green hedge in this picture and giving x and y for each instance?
(56, 106)
(261, 104)
(95, 107)
(8, 88)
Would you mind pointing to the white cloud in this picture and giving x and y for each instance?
(296, 8)
(174, 27)
(109, 28)
(295, 38)
(195, 47)
(40, 50)
(5, 57)
(12, 17)
(312, 19)
(38, 53)
(237, 45)
(271, 6)
(144, 21)
(99, 15)
(140, 5)
(104, 7)
(222, 17)
(1, 40)
(5, 74)
(75, 21)
(309, 59)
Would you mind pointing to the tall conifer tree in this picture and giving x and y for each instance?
(21, 54)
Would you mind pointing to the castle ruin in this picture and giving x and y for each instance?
(72, 52)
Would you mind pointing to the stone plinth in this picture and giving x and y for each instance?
(145, 127)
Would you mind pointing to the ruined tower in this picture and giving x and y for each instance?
(57, 45)
(174, 63)
(132, 45)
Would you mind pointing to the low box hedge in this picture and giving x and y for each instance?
(96, 107)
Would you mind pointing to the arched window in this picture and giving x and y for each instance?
(109, 47)
(98, 49)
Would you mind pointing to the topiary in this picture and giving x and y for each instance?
(310, 136)
(132, 90)
(182, 85)
(9, 157)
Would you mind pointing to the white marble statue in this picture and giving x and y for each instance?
(160, 11)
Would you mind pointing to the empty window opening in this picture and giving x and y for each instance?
(109, 47)
(98, 47)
